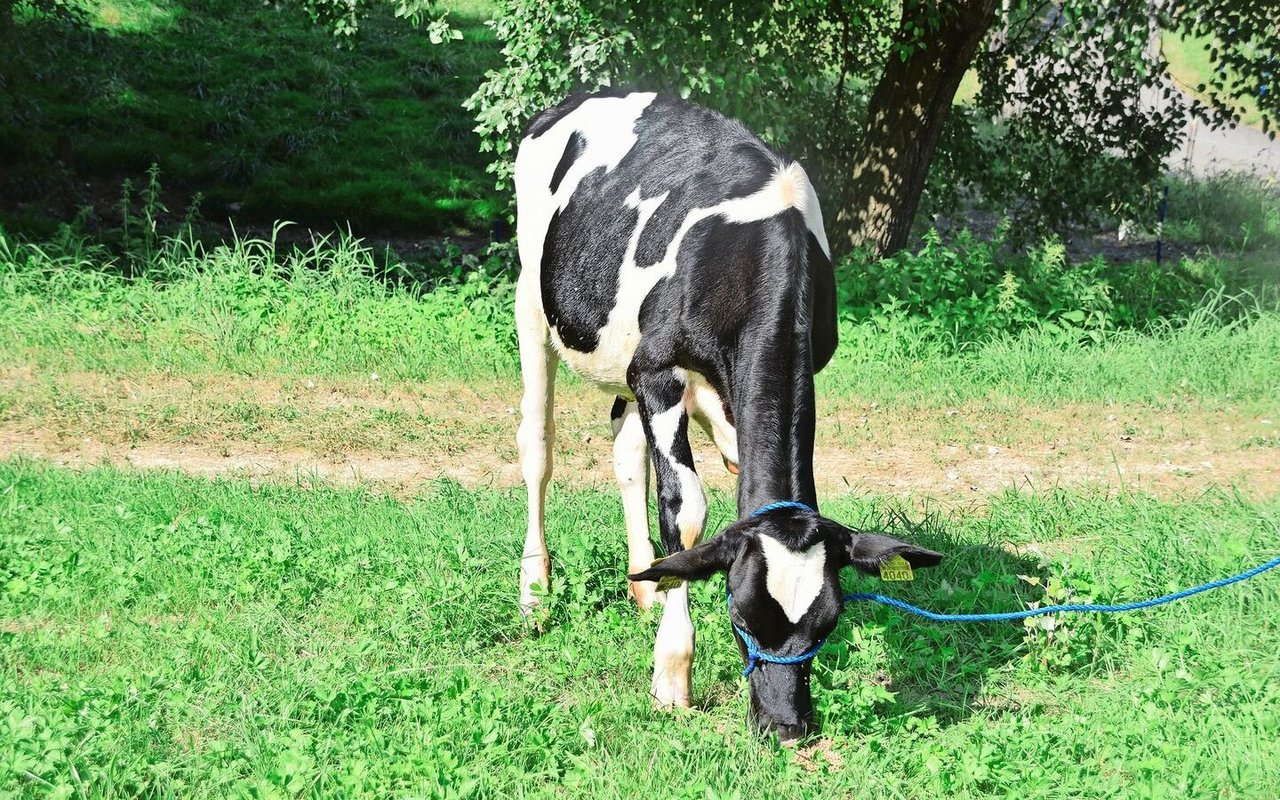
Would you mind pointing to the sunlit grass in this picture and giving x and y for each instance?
(132, 16)
(161, 635)
(1190, 66)
(253, 309)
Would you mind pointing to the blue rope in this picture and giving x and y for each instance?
(1070, 607)
(755, 655)
(765, 509)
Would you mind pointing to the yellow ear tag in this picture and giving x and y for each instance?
(666, 582)
(896, 568)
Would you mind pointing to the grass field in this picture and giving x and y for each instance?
(165, 635)
(259, 528)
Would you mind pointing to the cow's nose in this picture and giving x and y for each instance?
(788, 733)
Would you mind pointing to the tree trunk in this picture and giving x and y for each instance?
(905, 117)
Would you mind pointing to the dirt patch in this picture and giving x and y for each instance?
(403, 435)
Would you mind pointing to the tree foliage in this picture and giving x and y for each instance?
(1074, 115)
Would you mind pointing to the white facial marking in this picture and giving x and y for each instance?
(794, 579)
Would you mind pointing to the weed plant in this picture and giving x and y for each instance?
(1231, 213)
(969, 290)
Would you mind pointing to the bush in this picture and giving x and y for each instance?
(968, 291)
(1230, 211)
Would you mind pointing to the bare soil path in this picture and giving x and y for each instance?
(400, 437)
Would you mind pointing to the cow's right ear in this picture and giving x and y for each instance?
(866, 552)
(716, 554)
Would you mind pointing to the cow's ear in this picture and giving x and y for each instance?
(867, 551)
(698, 563)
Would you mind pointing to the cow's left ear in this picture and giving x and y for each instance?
(716, 554)
(867, 551)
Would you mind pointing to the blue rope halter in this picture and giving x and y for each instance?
(755, 655)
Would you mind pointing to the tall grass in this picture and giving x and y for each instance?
(256, 308)
(1227, 349)
(1231, 213)
(248, 306)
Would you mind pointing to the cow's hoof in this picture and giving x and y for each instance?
(670, 688)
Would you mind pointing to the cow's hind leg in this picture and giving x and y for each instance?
(631, 467)
(538, 362)
(682, 513)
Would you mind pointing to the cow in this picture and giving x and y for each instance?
(671, 258)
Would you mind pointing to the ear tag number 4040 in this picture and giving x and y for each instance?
(896, 568)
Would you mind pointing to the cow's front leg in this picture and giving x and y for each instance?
(682, 513)
(631, 466)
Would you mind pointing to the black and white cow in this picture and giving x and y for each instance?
(674, 260)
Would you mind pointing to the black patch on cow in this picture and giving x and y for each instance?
(619, 408)
(572, 150)
(680, 449)
(544, 121)
(585, 245)
(693, 155)
(738, 170)
(825, 335)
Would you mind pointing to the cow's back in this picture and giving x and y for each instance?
(608, 189)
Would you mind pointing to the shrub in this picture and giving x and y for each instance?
(1230, 211)
(968, 291)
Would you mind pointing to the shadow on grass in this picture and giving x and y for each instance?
(253, 107)
(934, 669)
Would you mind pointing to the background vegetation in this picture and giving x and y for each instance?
(251, 107)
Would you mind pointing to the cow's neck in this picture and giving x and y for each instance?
(775, 417)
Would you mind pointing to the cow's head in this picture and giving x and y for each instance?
(783, 578)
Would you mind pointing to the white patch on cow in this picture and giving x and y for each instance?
(607, 124)
(673, 652)
(606, 366)
(631, 467)
(812, 212)
(692, 515)
(535, 438)
(792, 578)
(704, 403)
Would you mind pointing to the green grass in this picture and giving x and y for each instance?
(253, 106)
(1232, 214)
(169, 636)
(250, 308)
(254, 309)
(1190, 66)
(1195, 360)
